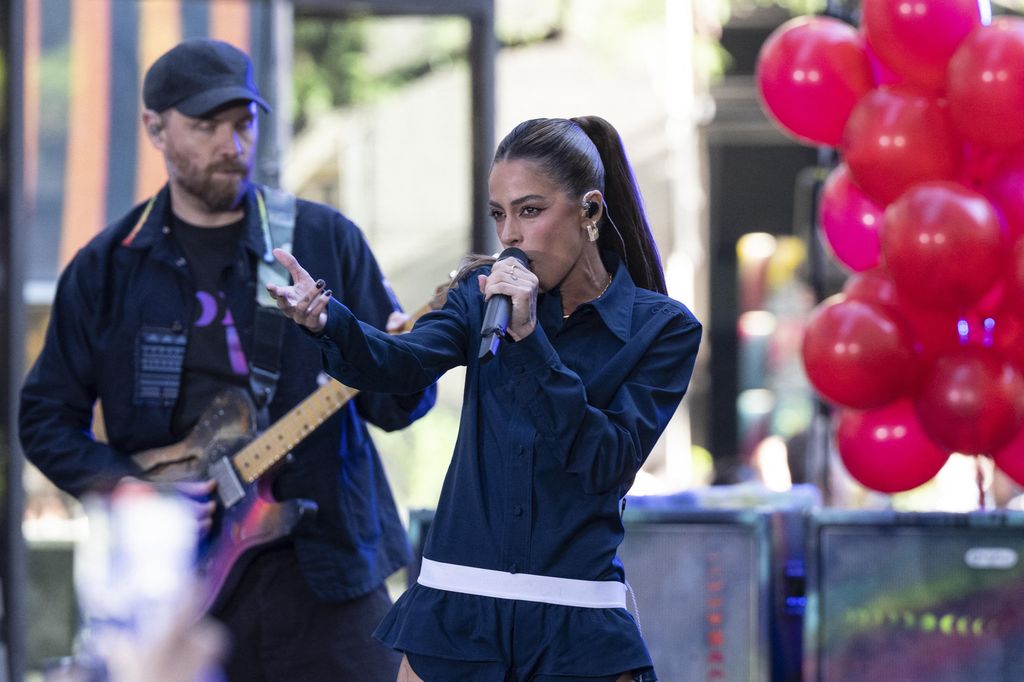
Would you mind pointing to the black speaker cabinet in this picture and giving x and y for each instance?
(929, 597)
(701, 584)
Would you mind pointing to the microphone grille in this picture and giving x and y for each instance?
(518, 254)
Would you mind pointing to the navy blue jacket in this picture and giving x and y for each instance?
(131, 279)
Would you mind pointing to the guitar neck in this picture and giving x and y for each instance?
(273, 445)
(276, 442)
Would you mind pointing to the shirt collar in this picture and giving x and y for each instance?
(614, 307)
(156, 215)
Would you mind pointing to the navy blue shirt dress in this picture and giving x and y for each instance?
(552, 434)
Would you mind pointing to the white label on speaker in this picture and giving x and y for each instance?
(991, 557)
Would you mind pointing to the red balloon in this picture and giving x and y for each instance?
(872, 286)
(997, 321)
(1014, 282)
(1010, 458)
(897, 137)
(810, 73)
(935, 332)
(986, 84)
(943, 245)
(980, 165)
(917, 39)
(992, 301)
(971, 401)
(880, 73)
(850, 221)
(1005, 188)
(857, 354)
(886, 450)
(1005, 333)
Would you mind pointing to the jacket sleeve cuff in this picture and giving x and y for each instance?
(338, 320)
(529, 355)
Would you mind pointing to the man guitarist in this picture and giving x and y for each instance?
(158, 314)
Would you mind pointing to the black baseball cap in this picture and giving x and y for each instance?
(198, 76)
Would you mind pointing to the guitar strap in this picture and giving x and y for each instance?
(277, 221)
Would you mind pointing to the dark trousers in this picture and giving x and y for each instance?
(282, 632)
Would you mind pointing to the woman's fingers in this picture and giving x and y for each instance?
(508, 277)
(291, 264)
(305, 301)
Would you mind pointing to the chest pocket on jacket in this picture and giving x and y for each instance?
(159, 355)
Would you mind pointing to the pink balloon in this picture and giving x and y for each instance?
(986, 84)
(810, 73)
(857, 354)
(916, 39)
(850, 221)
(897, 137)
(943, 245)
(886, 450)
(971, 401)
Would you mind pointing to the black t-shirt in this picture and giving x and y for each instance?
(214, 358)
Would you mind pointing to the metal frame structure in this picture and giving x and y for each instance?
(13, 557)
(482, 49)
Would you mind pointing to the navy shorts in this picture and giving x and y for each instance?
(432, 669)
(452, 636)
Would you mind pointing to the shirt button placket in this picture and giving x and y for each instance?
(518, 530)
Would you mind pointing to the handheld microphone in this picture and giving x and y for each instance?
(499, 307)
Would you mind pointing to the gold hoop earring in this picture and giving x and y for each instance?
(592, 233)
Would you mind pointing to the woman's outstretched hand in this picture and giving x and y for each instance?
(305, 301)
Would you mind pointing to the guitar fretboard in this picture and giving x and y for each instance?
(256, 458)
(275, 443)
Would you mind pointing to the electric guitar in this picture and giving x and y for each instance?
(225, 446)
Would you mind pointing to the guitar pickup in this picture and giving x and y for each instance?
(229, 487)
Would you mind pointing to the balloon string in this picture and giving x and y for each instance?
(981, 483)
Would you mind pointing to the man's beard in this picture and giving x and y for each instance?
(218, 192)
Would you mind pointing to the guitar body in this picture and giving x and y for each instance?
(241, 532)
(251, 523)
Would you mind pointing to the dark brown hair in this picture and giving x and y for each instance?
(586, 153)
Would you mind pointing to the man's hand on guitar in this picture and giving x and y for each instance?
(305, 301)
(197, 494)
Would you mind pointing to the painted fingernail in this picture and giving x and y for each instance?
(320, 284)
(328, 293)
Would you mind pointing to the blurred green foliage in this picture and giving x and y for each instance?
(338, 62)
(327, 70)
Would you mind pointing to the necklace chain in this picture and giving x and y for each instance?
(606, 285)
